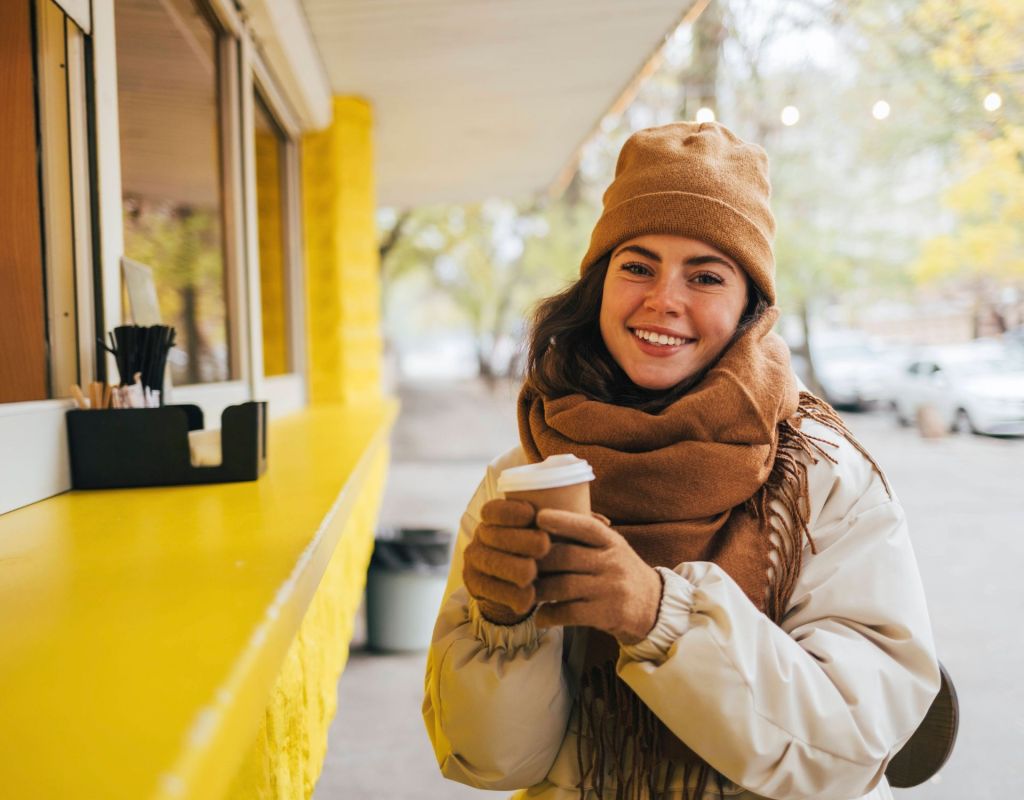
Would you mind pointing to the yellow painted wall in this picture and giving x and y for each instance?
(344, 352)
(342, 258)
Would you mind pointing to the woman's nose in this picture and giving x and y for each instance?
(665, 297)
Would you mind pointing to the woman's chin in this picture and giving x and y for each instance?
(656, 381)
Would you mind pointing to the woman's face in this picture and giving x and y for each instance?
(662, 285)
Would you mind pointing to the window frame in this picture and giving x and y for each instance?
(212, 397)
(64, 194)
(288, 392)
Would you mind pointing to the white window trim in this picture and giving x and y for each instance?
(254, 344)
(288, 47)
(286, 393)
(79, 11)
(34, 463)
(108, 169)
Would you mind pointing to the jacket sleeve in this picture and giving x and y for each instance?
(496, 702)
(817, 707)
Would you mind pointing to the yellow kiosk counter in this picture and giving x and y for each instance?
(185, 642)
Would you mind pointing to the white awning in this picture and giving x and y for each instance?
(477, 98)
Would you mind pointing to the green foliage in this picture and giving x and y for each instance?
(493, 261)
(183, 247)
(864, 206)
(977, 44)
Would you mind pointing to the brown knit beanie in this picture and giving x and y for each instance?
(697, 180)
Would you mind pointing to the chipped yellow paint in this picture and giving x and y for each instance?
(342, 261)
(147, 635)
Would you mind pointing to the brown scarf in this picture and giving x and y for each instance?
(691, 483)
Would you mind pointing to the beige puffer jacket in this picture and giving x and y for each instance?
(812, 709)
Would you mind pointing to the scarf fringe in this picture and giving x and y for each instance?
(625, 737)
(787, 488)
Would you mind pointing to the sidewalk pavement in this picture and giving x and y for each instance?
(377, 745)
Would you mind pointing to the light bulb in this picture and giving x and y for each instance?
(705, 115)
(880, 110)
(993, 101)
(790, 115)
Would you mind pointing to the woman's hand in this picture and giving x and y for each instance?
(500, 563)
(591, 576)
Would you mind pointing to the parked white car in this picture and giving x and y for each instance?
(854, 370)
(976, 387)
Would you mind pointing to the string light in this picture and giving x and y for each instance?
(993, 101)
(880, 110)
(790, 115)
(705, 115)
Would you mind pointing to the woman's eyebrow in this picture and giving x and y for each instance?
(697, 261)
(635, 248)
(694, 261)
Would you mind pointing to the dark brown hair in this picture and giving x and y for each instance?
(567, 355)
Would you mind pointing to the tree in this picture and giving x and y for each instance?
(182, 245)
(977, 43)
(492, 260)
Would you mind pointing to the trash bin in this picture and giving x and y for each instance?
(404, 587)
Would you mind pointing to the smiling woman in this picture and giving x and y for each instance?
(704, 632)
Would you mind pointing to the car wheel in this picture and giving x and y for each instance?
(962, 422)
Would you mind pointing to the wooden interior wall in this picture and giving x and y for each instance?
(22, 303)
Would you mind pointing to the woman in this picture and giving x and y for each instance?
(742, 615)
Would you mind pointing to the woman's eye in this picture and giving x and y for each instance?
(708, 279)
(636, 268)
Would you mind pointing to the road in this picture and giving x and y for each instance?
(964, 497)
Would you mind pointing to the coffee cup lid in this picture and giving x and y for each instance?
(551, 473)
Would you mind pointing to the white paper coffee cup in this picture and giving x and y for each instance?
(561, 481)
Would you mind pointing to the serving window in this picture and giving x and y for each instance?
(171, 124)
(153, 130)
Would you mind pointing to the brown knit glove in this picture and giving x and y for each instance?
(500, 563)
(591, 576)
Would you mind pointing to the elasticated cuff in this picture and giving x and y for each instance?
(673, 620)
(510, 638)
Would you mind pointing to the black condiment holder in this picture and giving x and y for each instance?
(126, 447)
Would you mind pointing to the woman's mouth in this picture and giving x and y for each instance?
(659, 343)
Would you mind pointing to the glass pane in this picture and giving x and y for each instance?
(270, 143)
(167, 79)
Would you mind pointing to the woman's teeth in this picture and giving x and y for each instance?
(659, 338)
